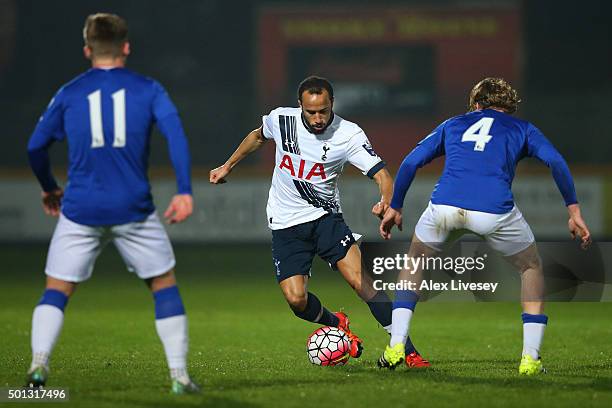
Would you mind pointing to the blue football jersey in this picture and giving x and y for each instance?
(106, 116)
(482, 149)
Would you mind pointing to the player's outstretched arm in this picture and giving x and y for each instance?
(385, 185)
(539, 146)
(424, 152)
(577, 226)
(253, 141)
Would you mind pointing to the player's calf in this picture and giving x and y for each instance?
(315, 312)
(305, 305)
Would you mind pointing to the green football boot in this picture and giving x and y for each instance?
(531, 366)
(392, 357)
(37, 377)
(180, 388)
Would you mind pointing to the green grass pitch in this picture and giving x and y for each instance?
(247, 348)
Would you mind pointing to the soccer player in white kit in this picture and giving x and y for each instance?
(482, 149)
(304, 213)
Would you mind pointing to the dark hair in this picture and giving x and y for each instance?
(105, 34)
(315, 85)
(494, 92)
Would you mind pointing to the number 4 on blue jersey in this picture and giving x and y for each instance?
(479, 133)
(482, 149)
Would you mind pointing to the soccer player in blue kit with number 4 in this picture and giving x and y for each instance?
(481, 149)
(106, 115)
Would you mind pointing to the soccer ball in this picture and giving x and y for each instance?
(328, 346)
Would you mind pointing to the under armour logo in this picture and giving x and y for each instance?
(346, 241)
(290, 143)
(325, 150)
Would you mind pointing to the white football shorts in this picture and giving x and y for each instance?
(506, 233)
(144, 247)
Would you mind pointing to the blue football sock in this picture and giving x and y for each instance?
(171, 327)
(47, 322)
(533, 333)
(381, 308)
(403, 308)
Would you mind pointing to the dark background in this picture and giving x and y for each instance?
(205, 53)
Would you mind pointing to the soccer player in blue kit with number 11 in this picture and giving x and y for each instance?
(106, 115)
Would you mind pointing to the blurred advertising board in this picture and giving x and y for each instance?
(397, 71)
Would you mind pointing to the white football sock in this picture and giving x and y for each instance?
(400, 326)
(533, 333)
(173, 334)
(47, 324)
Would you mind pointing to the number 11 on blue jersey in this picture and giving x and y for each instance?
(95, 118)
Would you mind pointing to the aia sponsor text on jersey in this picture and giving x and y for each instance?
(317, 169)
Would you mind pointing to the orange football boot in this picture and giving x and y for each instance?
(356, 342)
(415, 360)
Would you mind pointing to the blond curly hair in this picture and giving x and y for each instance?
(494, 93)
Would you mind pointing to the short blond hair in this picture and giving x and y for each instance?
(105, 34)
(494, 92)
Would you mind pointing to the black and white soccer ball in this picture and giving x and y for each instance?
(328, 346)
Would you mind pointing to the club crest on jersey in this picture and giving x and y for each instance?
(368, 148)
(325, 150)
(317, 169)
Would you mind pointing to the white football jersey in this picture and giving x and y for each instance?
(305, 180)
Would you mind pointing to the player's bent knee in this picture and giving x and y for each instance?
(65, 287)
(528, 259)
(165, 280)
(297, 301)
(294, 290)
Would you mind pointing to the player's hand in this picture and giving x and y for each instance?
(217, 176)
(52, 201)
(392, 218)
(577, 226)
(179, 209)
(379, 209)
